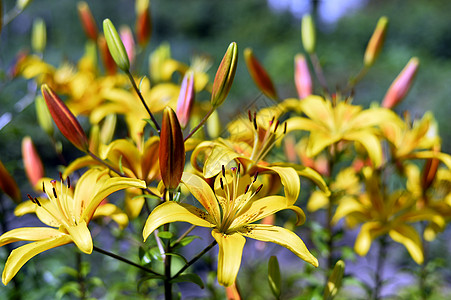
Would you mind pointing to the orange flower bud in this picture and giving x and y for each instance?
(308, 33)
(143, 22)
(224, 75)
(186, 98)
(8, 184)
(376, 42)
(64, 119)
(31, 161)
(302, 78)
(87, 20)
(107, 59)
(430, 170)
(171, 150)
(129, 43)
(259, 74)
(401, 85)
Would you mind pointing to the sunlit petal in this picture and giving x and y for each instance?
(81, 236)
(409, 237)
(112, 211)
(368, 232)
(29, 234)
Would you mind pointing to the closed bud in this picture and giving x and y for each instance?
(171, 150)
(143, 22)
(115, 46)
(224, 76)
(274, 278)
(259, 74)
(8, 185)
(308, 33)
(401, 85)
(43, 114)
(22, 4)
(38, 36)
(214, 128)
(334, 282)
(186, 98)
(302, 77)
(31, 161)
(376, 42)
(87, 21)
(107, 59)
(129, 42)
(64, 119)
(107, 129)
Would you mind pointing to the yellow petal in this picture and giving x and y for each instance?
(409, 237)
(370, 142)
(280, 236)
(26, 207)
(200, 189)
(346, 206)
(78, 164)
(219, 156)
(290, 181)
(317, 200)
(170, 211)
(21, 255)
(229, 257)
(81, 236)
(29, 234)
(319, 110)
(114, 212)
(368, 232)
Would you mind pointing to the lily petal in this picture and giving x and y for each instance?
(409, 237)
(176, 212)
(81, 236)
(229, 257)
(280, 236)
(200, 189)
(21, 255)
(368, 232)
(370, 142)
(29, 234)
(114, 212)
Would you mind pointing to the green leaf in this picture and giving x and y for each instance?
(150, 122)
(194, 278)
(146, 278)
(274, 278)
(155, 253)
(165, 235)
(71, 287)
(185, 241)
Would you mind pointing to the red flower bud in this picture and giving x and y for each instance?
(64, 119)
(259, 74)
(171, 150)
(87, 21)
(302, 78)
(8, 184)
(107, 59)
(32, 162)
(143, 22)
(186, 99)
(224, 76)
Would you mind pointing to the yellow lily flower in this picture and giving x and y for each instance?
(381, 214)
(70, 214)
(250, 142)
(136, 161)
(231, 210)
(329, 124)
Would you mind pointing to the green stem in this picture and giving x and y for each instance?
(115, 256)
(200, 124)
(167, 268)
(143, 101)
(80, 276)
(379, 267)
(424, 289)
(192, 261)
(184, 234)
(11, 15)
(319, 72)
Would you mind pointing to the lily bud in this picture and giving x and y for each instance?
(224, 76)
(214, 125)
(171, 150)
(186, 99)
(334, 282)
(401, 85)
(259, 74)
(8, 185)
(115, 45)
(87, 21)
(302, 77)
(22, 4)
(38, 36)
(64, 119)
(274, 278)
(107, 59)
(143, 22)
(308, 33)
(376, 42)
(129, 43)
(31, 161)
(43, 114)
(107, 130)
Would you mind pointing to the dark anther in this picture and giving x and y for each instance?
(258, 189)
(223, 171)
(255, 177)
(284, 127)
(222, 184)
(247, 188)
(54, 193)
(239, 165)
(31, 198)
(233, 169)
(255, 124)
(43, 187)
(272, 120)
(68, 182)
(277, 125)
(61, 176)
(249, 115)
(37, 201)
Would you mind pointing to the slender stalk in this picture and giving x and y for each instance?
(379, 267)
(192, 261)
(200, 124)
(95, 157)
(319, 72)
(115, 256)
(167, 268)
(184, 234)
(353, 81)
(80, 276)
(154, 121)
(424, 289)
(11, 15)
